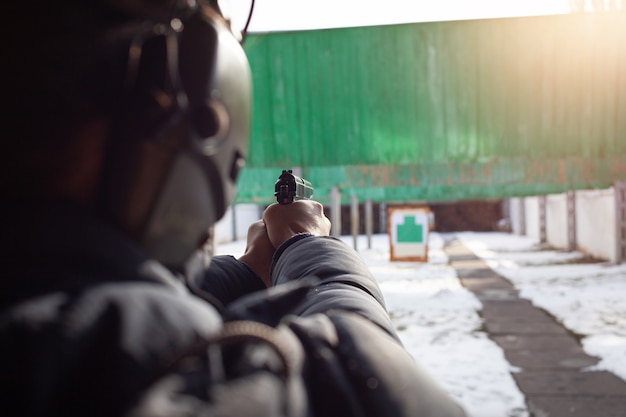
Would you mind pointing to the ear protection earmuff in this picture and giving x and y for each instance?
(180, 133)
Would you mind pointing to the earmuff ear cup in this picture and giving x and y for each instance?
(197, 55)
(144, 135)
(151, 106)
(219, 107)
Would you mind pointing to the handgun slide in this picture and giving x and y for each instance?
(290, 187)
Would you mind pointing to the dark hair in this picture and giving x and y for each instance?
(63, 65)
(59, 70)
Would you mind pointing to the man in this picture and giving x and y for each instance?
(127, 127)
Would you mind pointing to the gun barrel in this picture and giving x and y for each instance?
(290, 187)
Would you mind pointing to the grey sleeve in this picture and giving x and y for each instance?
(344, 280)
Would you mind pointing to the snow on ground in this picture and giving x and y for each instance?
(587, 298)
(439, 323)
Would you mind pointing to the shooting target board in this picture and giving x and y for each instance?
(408, 228)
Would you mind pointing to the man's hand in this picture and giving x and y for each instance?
(259, 251)
(302, 216)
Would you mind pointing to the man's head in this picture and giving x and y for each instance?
(149, 97)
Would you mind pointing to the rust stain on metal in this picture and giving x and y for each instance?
(382, 177)
(618, 168)
(588, 169)
(487, 173)
(562, 173)
(552, 174)
(450, 179)
(376, 176)
(535, 170)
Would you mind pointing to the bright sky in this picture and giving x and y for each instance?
(280, 15)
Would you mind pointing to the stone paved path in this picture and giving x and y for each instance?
(550, 358)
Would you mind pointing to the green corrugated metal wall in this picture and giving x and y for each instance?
(441, 111)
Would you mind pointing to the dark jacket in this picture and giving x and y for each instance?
(90, 326)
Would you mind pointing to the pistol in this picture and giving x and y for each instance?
(290, 187)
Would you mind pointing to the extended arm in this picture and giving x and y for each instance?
(345, 282)
(353, 352)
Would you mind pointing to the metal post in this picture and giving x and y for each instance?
(335, 212)
(542, 219)
(522, 216)
(506, 225)
(506, 208)
(571, 221)
(233, 222)
(620, 221)
(382, 217)
(369, 226)
(354, 219)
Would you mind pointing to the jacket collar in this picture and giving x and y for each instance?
(58, 245)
